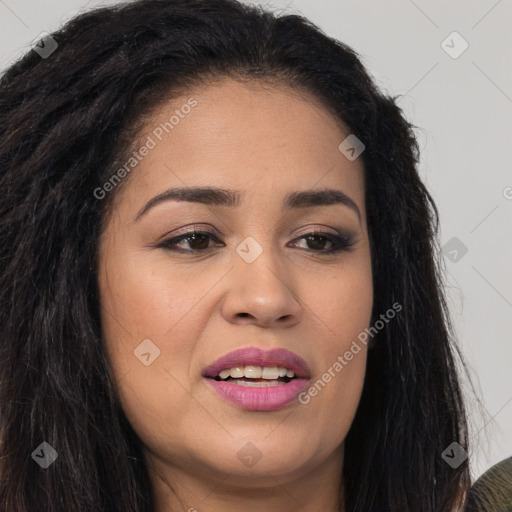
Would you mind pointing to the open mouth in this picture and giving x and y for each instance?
(256, 376)
(258, 380)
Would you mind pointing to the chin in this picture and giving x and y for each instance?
(254, 463)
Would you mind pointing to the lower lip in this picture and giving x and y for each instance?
(259, 398)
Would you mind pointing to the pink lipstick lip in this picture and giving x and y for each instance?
(258, 357)
(259, 398)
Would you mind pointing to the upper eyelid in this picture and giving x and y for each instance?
(312, 231)
(211, 230)
(347, 239)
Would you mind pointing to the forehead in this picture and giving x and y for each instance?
(252, 136)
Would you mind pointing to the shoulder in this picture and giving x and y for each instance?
(492, 492)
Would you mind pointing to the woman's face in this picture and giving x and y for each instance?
(252, 279)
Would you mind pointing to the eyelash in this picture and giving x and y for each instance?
(340, 243)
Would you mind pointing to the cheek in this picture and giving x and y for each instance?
(343, 302)
(149, 337)
(343, 307)
(146, 301)
(153, 397)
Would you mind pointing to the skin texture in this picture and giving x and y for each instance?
(264, 141)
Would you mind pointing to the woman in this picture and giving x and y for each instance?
(220, 286)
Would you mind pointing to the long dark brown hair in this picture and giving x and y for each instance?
(65, 123)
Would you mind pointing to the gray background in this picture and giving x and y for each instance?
(462, 107)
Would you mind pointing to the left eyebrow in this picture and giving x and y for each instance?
(232, 198)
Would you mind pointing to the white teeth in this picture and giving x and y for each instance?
(271, 373)
(253, 372)
(224, 374)
(236, 372)
(259, 384)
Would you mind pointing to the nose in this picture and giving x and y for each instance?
(261, 293)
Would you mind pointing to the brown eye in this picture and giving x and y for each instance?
(198, 241)
(316, 242)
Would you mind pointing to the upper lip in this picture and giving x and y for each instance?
(258, 357)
